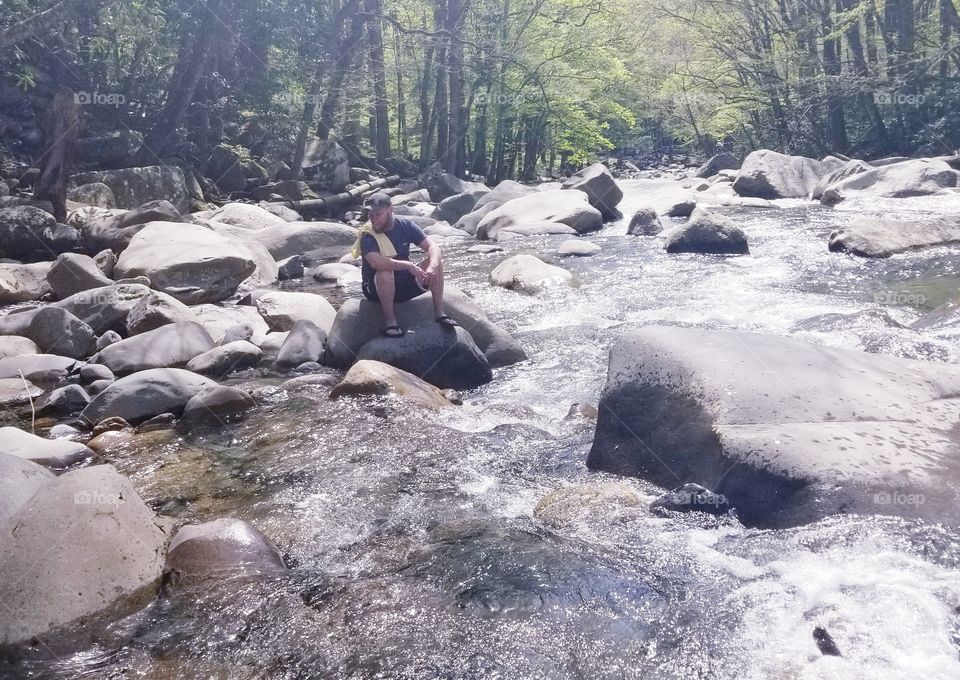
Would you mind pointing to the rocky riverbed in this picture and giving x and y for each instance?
(249, 525)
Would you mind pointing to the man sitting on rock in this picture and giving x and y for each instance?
(389, 276)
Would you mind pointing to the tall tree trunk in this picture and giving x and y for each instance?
(381, 105)
(401, 101)
(343, 54)
(60, 134)
(836, 120)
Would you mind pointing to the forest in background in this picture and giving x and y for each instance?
(493, 88)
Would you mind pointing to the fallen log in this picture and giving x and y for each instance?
(347, 196)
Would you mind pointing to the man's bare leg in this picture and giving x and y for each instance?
(436, 288)
(386, 289)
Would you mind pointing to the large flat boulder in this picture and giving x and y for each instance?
(23, 282)
(39, 368)
(918, 177)
(883, 237)
(169, 346)
(789, 432)
(82, 552)
(72, 273)
(375, 378)
(246, 216)
(444, 357)
(135, 186)
(600, 187)
(529, 274)
(146, 394)
(297, 238)
(113, 229)
(359, 321)
(282, 309)
(107, 308)
(571, 208)
(768, 174)
(15, 345)
(19, 479)
(189, 262)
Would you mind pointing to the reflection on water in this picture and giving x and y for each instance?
(417, 547)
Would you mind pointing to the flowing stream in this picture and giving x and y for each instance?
(415, 544)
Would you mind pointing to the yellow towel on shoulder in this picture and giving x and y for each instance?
(383, 242)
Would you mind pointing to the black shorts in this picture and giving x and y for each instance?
(406, 288)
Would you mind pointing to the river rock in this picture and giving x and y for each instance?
(787, 431)
(246, 216)
(534, 229)
(107, 308)
(304, 343)
(19, 480)
(217, 405)
(88, 552)
(335, 271)
(471, 221)
(219, 319)
(133, 187)
(15, 345)
(57, 331)
(722, 161)
(50, 453)
(454, 207)
(113, 230)
(14, 392)
(290, 268)
(38, 368)
(23, 282)
(443, 185)
(282, 309)
(567, 207)
(849, 169)
(72, 273)
(883, 237)
(298, 238)
(600, 187)
(169, 346)
(107, 339)
(143, 395)
(95, 193)
(229, 357)
(189, 262)
(444, 357)
(359, 321)
(528, 274)
(92, 372)
(154, 310)
(918, 177)
(577, 247)
(768, 174)
(377, 378)
(30, 234)
(327, 163)
(645, 222)
(222, 548)
(64, 401)
(707, 232)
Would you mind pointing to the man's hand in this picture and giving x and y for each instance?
(423, 277)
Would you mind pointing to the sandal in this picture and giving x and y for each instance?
(394, 332)
(445, 320)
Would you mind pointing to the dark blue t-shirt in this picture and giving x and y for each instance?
(401, 235)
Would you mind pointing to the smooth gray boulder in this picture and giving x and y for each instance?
(290, 268)
(226, 358)
(95, 193)
(645, 222)
(359, 321)
(527, 229)
(23, 282)
(281, 309)
(105, 309)
(601, 189)
(189, 262)
(72, 273)
(529, 274)
(146, 394)
(788, 431)
(851, 168)
(722, 161)
(444, 357)
(296, 238)
(38, 368)
(93, 372)
(68, 400)
(304, 342)
(918, 177)
(169, 346)
(225, 547)
(15, 345)
(50, 453)
(571, 208)
(443, 185)
(768, 174)
(88, 552)
(154, 310)
(19, 480)
(218, 319)
(57, 331)
(246, 216)
(375, 378)
(883, 237)
(577, 248)
(13, 392)
(217, 405)
(133, 187)
(113, 229)
(709, 233)
(454, 207)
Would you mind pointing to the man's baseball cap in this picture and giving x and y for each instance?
(378, 199)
